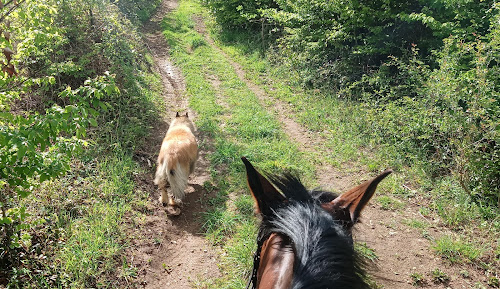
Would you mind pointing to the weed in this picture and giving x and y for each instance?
(389, 203)
(417, 279)
(439, 277)
(197, 42)
(494, 282)
(365, 251)
(413, 223)
(465, 273)
(426, 212)
(456, 251)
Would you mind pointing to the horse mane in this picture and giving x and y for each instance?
(321, 244)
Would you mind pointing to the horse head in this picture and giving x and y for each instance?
(304, 239)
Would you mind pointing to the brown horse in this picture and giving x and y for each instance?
(304, 239)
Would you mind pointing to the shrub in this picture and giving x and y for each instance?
(54, 88)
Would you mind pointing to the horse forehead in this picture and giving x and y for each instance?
(276, 263)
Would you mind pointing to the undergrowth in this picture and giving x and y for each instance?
(74, 222)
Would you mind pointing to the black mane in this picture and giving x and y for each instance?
(324, 252)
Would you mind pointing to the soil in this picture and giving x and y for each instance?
(171, 253)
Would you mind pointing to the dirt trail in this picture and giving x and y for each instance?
(401, 250)
(170, 252)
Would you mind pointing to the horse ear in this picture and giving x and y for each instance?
(348, 206)
(266, 196)
(177, 114)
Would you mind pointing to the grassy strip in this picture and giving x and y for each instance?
(84, 219)
(231, 114)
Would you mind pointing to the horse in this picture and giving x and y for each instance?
(304, 239)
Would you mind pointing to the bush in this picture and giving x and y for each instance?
(448, 116)
(68, 66)
(425, 72)
(337, 42)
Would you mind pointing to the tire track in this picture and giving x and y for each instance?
(171, 252)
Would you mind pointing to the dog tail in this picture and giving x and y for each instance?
(161, 173)
(178, 178)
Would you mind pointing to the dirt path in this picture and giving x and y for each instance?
(171, 252)
(401, 250)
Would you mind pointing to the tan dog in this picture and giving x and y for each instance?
(176, 161)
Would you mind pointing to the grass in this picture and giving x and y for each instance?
(389, 203)
(365, 251)
(417, 224)
(417, 279)
(439, 277)
(457, 250)
(83, 216)
(83, 233)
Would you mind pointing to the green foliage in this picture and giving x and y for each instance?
(339, 41)
(389, 203)
(425, 74)
(72, 70)
(417, 279)
(365, 252)
(239, 14)
(451, 120)
(439, 276)
(138, 11)
(37, 147)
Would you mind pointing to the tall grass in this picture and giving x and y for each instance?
(79, 220)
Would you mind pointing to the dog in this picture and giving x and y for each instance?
(176, 161)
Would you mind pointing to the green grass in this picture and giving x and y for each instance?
(82, 217)
(457, 250)
(96, 238)
(417, 224)
(365, 251)
(84, 225)
(417, 279)
(439, 277)
(389, 203)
